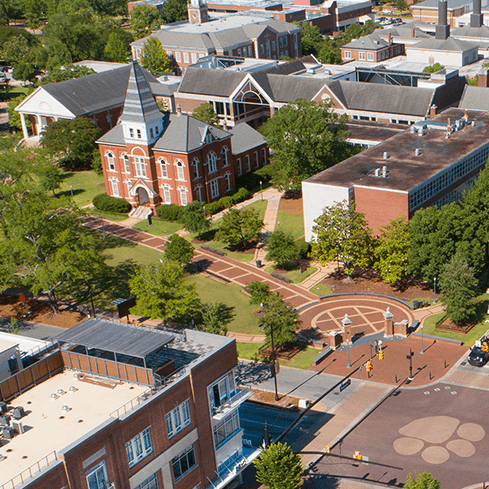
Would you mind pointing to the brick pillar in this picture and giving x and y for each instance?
(389, 322)
(433, 110)
(483, 79)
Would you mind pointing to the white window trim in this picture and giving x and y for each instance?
(178, 418)
(163, 164)
(110, 160)
(180, 166)
(139, 447)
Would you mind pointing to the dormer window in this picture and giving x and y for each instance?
(151, 132)
(156, 131)
(131, 132)
(139, 133)
(208, 138)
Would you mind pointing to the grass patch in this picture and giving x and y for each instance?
(210, 290)
(159, 227)
(86, 185)
(321, 289)
(294, 275)
(108, 216)
(119, 251)
(302, 360)
(291, 224)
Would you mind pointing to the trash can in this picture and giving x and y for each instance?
(258, 263)
(415, 305)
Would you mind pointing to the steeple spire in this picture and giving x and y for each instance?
(141, 119)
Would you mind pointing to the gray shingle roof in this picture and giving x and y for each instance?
(372, 41)
(475, 32)
(383, 98)
(92, 93)
(451, 4)
(116, 337)
(449, 44)
(475, 98)
(139, 104)
(114, 136)
(185, 134)
(245, 138)
(210, 82)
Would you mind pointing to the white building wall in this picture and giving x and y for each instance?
(315, 197)
(445, 58)
(8, 352)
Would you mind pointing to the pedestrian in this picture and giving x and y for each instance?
(380, 343)
(376, 346)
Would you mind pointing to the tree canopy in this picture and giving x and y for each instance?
(178, 249)
(305, 138)
(278, 467)
(205, 112)
(154, 57)
(175, 10)
(281, 248)
(215, 318)
(144, 19)
(239, 227)
(162, 292)
(194, 218)
(342, 234)
(421, 481)
(281, 317)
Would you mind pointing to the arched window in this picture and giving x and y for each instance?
(183, 196)
(195, 166)
(257, 162)
(140, 166)
(164, 167)
(110, 160)
(166, 194)
(127, 167)
(212, 162)
(180, 171)
(224, 152)
(240, 168)
(227, 177)
(115, 187)
(248, 163)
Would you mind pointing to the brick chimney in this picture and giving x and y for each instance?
(483, 80)
(433, 110)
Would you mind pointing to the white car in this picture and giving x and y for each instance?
(3, 78)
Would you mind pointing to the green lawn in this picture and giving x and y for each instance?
(469, 338)
(106, 215)
(294, 275)
(123, 251)
(86, 185)
(302, 360)
(320, 290)
(210, 290)
(159, 227)
(291, 223)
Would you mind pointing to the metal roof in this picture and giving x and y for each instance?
(120, 338)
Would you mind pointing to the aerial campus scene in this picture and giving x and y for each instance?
(244, 244)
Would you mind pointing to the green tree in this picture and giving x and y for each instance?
(401, 5)
(10, 10)
(117, 48)
(162, 292)
(329, 52)
(194, 219)
(51, 177)
(305, 137)
(258, 291)
(392, 250)
(342, 234)
(24, 72)
(205, 112)
(215, 318)
(311, 38)
(13, 115)
(179, 249)
(144, 19)
(422, 481)
(175, 10)
(15, 50)
(278, 467)
(240, 227)
(458, 285)
(281, 247)
(280, 316)
(154, 57)
(71, 140)
(433, 68)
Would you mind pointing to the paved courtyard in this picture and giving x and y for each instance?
(441, 428)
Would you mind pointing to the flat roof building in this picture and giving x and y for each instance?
(109, 419)
(431, 163)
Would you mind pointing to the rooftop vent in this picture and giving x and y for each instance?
(65, 408)
(54, 396)
(421, 131)
(61, 392)
(72, 389)
(384, 172)
(417, 151)
(386, 155)
(377, 172)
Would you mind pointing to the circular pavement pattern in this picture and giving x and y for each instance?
(364, 311)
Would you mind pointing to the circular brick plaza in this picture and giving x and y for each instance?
(364, 311)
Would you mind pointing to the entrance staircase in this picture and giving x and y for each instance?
(141, 212)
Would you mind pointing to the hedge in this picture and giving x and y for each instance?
(104, 202)
(171, 212)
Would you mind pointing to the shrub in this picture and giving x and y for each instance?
(303, 248)
(104, 202)
(241, 194)
(170, 212)
(227, 201)
(213, 208)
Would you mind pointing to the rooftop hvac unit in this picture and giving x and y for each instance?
(54, 396)
(18, 412)
(4, 420)
(3, 407)
(420, 131)
(386, 155)
(377, 172)
(65, 408)
(60, 392)
(384, 172)
(17, 426)
(417, 151)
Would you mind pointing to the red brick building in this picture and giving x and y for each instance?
(154, 158)
(372, 48)
(109, 420)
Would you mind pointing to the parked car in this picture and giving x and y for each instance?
(478, 357)
(397, 21)
(3, 78)
(4, 69)
(380, 19)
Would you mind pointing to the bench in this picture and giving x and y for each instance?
(321, 356)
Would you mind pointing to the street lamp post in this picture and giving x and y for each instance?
(71, 187)
(261, 189)
(346, 322)
(274, 370)
(434, 291)
(422, 350)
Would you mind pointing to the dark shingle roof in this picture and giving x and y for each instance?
(245, 138)
(114, 136)
(449, 44)
(92, 93)
(210, 82)
(185, 134)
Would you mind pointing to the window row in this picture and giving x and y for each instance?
(222, 391)
(447, 177)
(226, 428)
(139, 447)
(139, 164)
(177, 419)
(247, 162)
(186, 56)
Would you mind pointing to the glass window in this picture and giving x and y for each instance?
(167, 195)
(212, 162)
(115, 188)
(248, 163)
(264, 154)
(131, 132)
(194, 57)
(347, 54)
(150, 483)
(139, 133)
(228, 182)
(195, 166)
(240, 169)
(186, 58)
(361, 56)
(178, 56)
(127, 167)
(179, 418)
(257, 162)
(140, 166)
(224, 153)
(214, 189)
(226, 428)
(151, 132)
(221, 391)
(139, 447)
(183, 462)
(180, 171)
(110, 161)
(370, 56)
(164, 168)
(97, 478)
